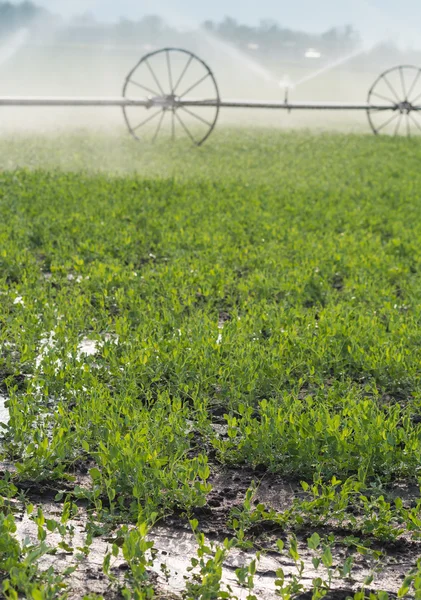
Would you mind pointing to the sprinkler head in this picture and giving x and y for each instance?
(286, 84)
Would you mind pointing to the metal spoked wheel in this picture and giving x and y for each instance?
(165, 79)
(397, 90)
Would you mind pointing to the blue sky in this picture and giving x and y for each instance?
(376, 19)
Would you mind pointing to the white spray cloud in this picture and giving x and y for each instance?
(12, 45)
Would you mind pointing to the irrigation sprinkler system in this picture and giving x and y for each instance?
(163, 81)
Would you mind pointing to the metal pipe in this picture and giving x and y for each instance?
(285, 105)
(37, 101)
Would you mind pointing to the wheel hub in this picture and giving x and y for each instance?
(405, 107)
(168, 102)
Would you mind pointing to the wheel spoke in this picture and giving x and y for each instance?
(387, 122)
(173, 126)
(182, 74)
(383, 97)
(416, 99)
(143, 87)
(195, 85)
(408, 126)
(155, 77)
(418, 75)
(185, 128)
(199, 118)
(169, 72)
(391, 88)
(398, 125)
(147, 120)
(405, 97)
(415, 122)
(158, 129)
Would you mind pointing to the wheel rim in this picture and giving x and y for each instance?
(396, 91)
(165, 78)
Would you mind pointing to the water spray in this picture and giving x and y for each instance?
(393, 104)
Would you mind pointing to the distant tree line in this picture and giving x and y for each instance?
(16, 16)
(270, 37)
(267, 37)
(266, 41)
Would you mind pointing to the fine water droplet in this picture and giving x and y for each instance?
(4, 412)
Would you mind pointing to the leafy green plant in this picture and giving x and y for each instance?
(211, 307)
(206, 580)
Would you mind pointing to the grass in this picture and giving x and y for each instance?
(273, 280)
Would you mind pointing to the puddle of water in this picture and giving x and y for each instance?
(46, 344)
(4, 412)
(88, 347)
(175, 547)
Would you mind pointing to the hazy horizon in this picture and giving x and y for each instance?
(66, 61)
(376, 20)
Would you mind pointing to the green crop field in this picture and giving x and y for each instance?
(174, 317)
